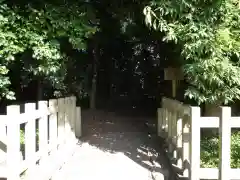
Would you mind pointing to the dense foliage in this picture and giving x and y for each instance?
(208, 34)
(30, 39)
(130, 56)
(210, 151)
(43, 43)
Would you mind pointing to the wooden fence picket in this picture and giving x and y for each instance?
(14, 156)
(43, 132)
(187, 130)
(61, 121)
(195, 143)
(56, 136)
(53, 107)
(225, 143)
(30, 140)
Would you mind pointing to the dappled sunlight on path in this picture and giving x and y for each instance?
(90, 163)
(114, 147)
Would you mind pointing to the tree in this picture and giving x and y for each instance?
(208, 34)
(123, 41)
(37, 32)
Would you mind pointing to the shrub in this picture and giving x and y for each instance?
(210, 151)
(22, 141)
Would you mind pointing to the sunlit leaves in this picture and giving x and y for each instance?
(148, 16)
(208, 33)
(23, 29)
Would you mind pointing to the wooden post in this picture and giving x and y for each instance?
(174, 88)
(61, 125)
(166, 119)
(186, 146)
(174, 133)
(78, 123)
(13, 143)
(173, 74)
(53, 107)
(3, 139)
(195, 143)
(74, 116)
(179, 140)
(70, 117)
(67, 118)
(170, 148)
(43, 132)
(30, 140)
(159, 120)
(225, 143)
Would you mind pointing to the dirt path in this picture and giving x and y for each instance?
(116, 147)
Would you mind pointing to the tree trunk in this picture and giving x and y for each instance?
(94, 80)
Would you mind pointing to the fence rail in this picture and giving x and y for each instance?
(46, 133)
(181, 125)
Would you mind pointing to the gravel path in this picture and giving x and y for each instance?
(114, 147)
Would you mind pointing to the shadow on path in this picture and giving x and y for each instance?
(133, 136)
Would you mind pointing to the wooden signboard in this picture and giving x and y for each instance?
(174, 75)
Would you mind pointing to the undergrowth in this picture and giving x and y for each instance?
(22, 141)
(210, 151)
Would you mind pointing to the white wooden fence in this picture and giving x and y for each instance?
(58, 122)
(181, 125)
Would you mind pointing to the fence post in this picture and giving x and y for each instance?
(43, 131)
(225, 143)
(3, 140)
(179, 140)
(61, 125)
(195, 143)
(78, 123)
(30, 140)
(67, 118)
(70, 117)
(170, 148)
(13, 143)
(164, 121)
(186, 146)
(53, 107)
(74, 116)
(164, 124)
(159, 120)
(166, 117)
(174, 133)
